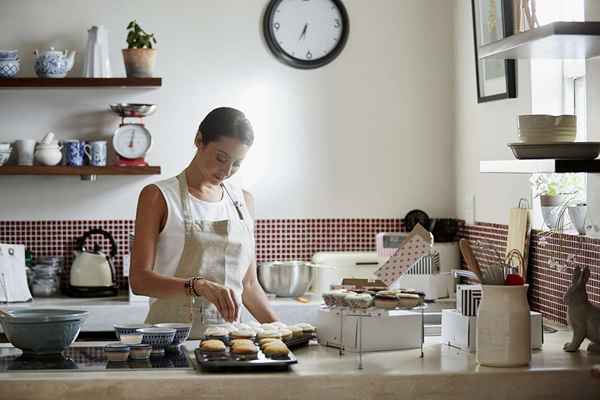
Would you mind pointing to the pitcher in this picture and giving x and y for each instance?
(97, 62)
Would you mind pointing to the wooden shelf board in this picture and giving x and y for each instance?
(558, 40)
(85, 170)
(80, 82)
(538, 166)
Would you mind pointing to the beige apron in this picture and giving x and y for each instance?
(218, 251)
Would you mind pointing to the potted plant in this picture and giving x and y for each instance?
(558, 193)
(139, 57)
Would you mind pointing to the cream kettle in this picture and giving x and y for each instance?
(92, 273)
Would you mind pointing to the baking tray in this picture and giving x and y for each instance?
(559, 150)
(232, 362)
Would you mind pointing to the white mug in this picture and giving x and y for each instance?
(25, 149)
(96, 152)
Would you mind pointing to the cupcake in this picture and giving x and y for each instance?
(409, 300)
(307, 328)
(339, 297)
(212, 346)
(269, 334)
(243, 334)
(285, 333)
(217, 332)
(296, 331)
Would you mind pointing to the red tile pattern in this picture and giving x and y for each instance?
(58, 238)
(281, 239)
(551, 262)
(299, 239)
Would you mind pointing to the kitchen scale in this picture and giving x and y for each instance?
(132, 140)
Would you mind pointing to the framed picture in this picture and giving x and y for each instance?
(492, 21)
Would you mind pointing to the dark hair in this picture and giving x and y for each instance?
(226, 121)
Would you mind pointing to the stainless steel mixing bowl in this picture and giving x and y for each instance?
(286, 278)
(138, 110)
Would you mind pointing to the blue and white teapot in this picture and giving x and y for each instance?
(52, 63)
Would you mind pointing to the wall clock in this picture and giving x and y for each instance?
(306, 33)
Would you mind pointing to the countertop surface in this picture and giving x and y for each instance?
(444, 372)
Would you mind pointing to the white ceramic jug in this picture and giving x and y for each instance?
(503, 326)
(97, 62)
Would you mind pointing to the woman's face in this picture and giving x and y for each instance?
(220, 159)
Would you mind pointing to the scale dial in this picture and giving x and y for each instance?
(132, 141)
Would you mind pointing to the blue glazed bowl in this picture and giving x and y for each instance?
(128, 329)
(159, 338)
(9, 54)
(9, 68)
(182, 331)
(42, 331)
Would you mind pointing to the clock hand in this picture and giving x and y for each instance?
(303, 34)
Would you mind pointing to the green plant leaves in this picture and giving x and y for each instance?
(137, 38)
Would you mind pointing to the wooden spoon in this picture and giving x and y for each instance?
(467, 252)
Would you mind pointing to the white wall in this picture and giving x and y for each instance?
(370, 135)
(482, 132)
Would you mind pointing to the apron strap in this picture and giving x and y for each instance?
(185, 202)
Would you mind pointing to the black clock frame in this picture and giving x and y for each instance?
(284, 57)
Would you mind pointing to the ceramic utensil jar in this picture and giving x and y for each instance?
(503, 326)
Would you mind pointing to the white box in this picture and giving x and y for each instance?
(468, 298)
(459, 330)
(389, 330)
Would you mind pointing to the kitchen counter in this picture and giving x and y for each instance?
(444, 373)
(106, 311)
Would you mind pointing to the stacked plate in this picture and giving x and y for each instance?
(543, 128)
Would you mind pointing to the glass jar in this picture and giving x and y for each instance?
(45, 286)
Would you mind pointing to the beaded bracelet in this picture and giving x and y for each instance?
(189, 286)
(194, 279)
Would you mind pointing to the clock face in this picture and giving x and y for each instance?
(306, 33)
(132, 141)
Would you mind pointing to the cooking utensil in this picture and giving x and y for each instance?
(492, 275)
(286, 278)
(467, 252)
(42, 331)
(518, 238)
(558, 150)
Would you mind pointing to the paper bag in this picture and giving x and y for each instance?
(416, 245)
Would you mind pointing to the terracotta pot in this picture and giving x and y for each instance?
(139, 63)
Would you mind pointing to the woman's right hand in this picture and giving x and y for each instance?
(223, 298)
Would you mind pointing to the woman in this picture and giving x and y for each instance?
(194, 245)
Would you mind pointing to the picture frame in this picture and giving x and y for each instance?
(492, 21)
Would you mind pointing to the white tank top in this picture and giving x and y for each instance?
(170, 241)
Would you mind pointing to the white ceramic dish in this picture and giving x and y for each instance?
(561, 151)
(545, 121)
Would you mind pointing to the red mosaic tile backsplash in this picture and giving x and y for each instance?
(551, 261)
(279, 239)
(276, 239)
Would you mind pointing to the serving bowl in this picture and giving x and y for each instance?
(286, 278)
(159, 338)
(128, 329)
(42, 331)
(182, 331)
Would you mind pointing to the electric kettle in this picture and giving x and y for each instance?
(92, 272)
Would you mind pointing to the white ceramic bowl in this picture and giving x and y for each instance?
(546, 121)
(182, 330)
(159, 338)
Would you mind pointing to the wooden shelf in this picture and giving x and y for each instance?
(538, 166)
(82, 171)
(80, 83)
(558, 40)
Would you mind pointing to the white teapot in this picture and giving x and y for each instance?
(48, 154)
(52, 63)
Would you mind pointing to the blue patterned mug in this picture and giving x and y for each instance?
(74, 150)
(96, 152)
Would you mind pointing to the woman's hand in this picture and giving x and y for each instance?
(223, 298)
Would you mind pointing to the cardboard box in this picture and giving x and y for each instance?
(388, 330)
(459, 330)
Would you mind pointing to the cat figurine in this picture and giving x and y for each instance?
(584, 317)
